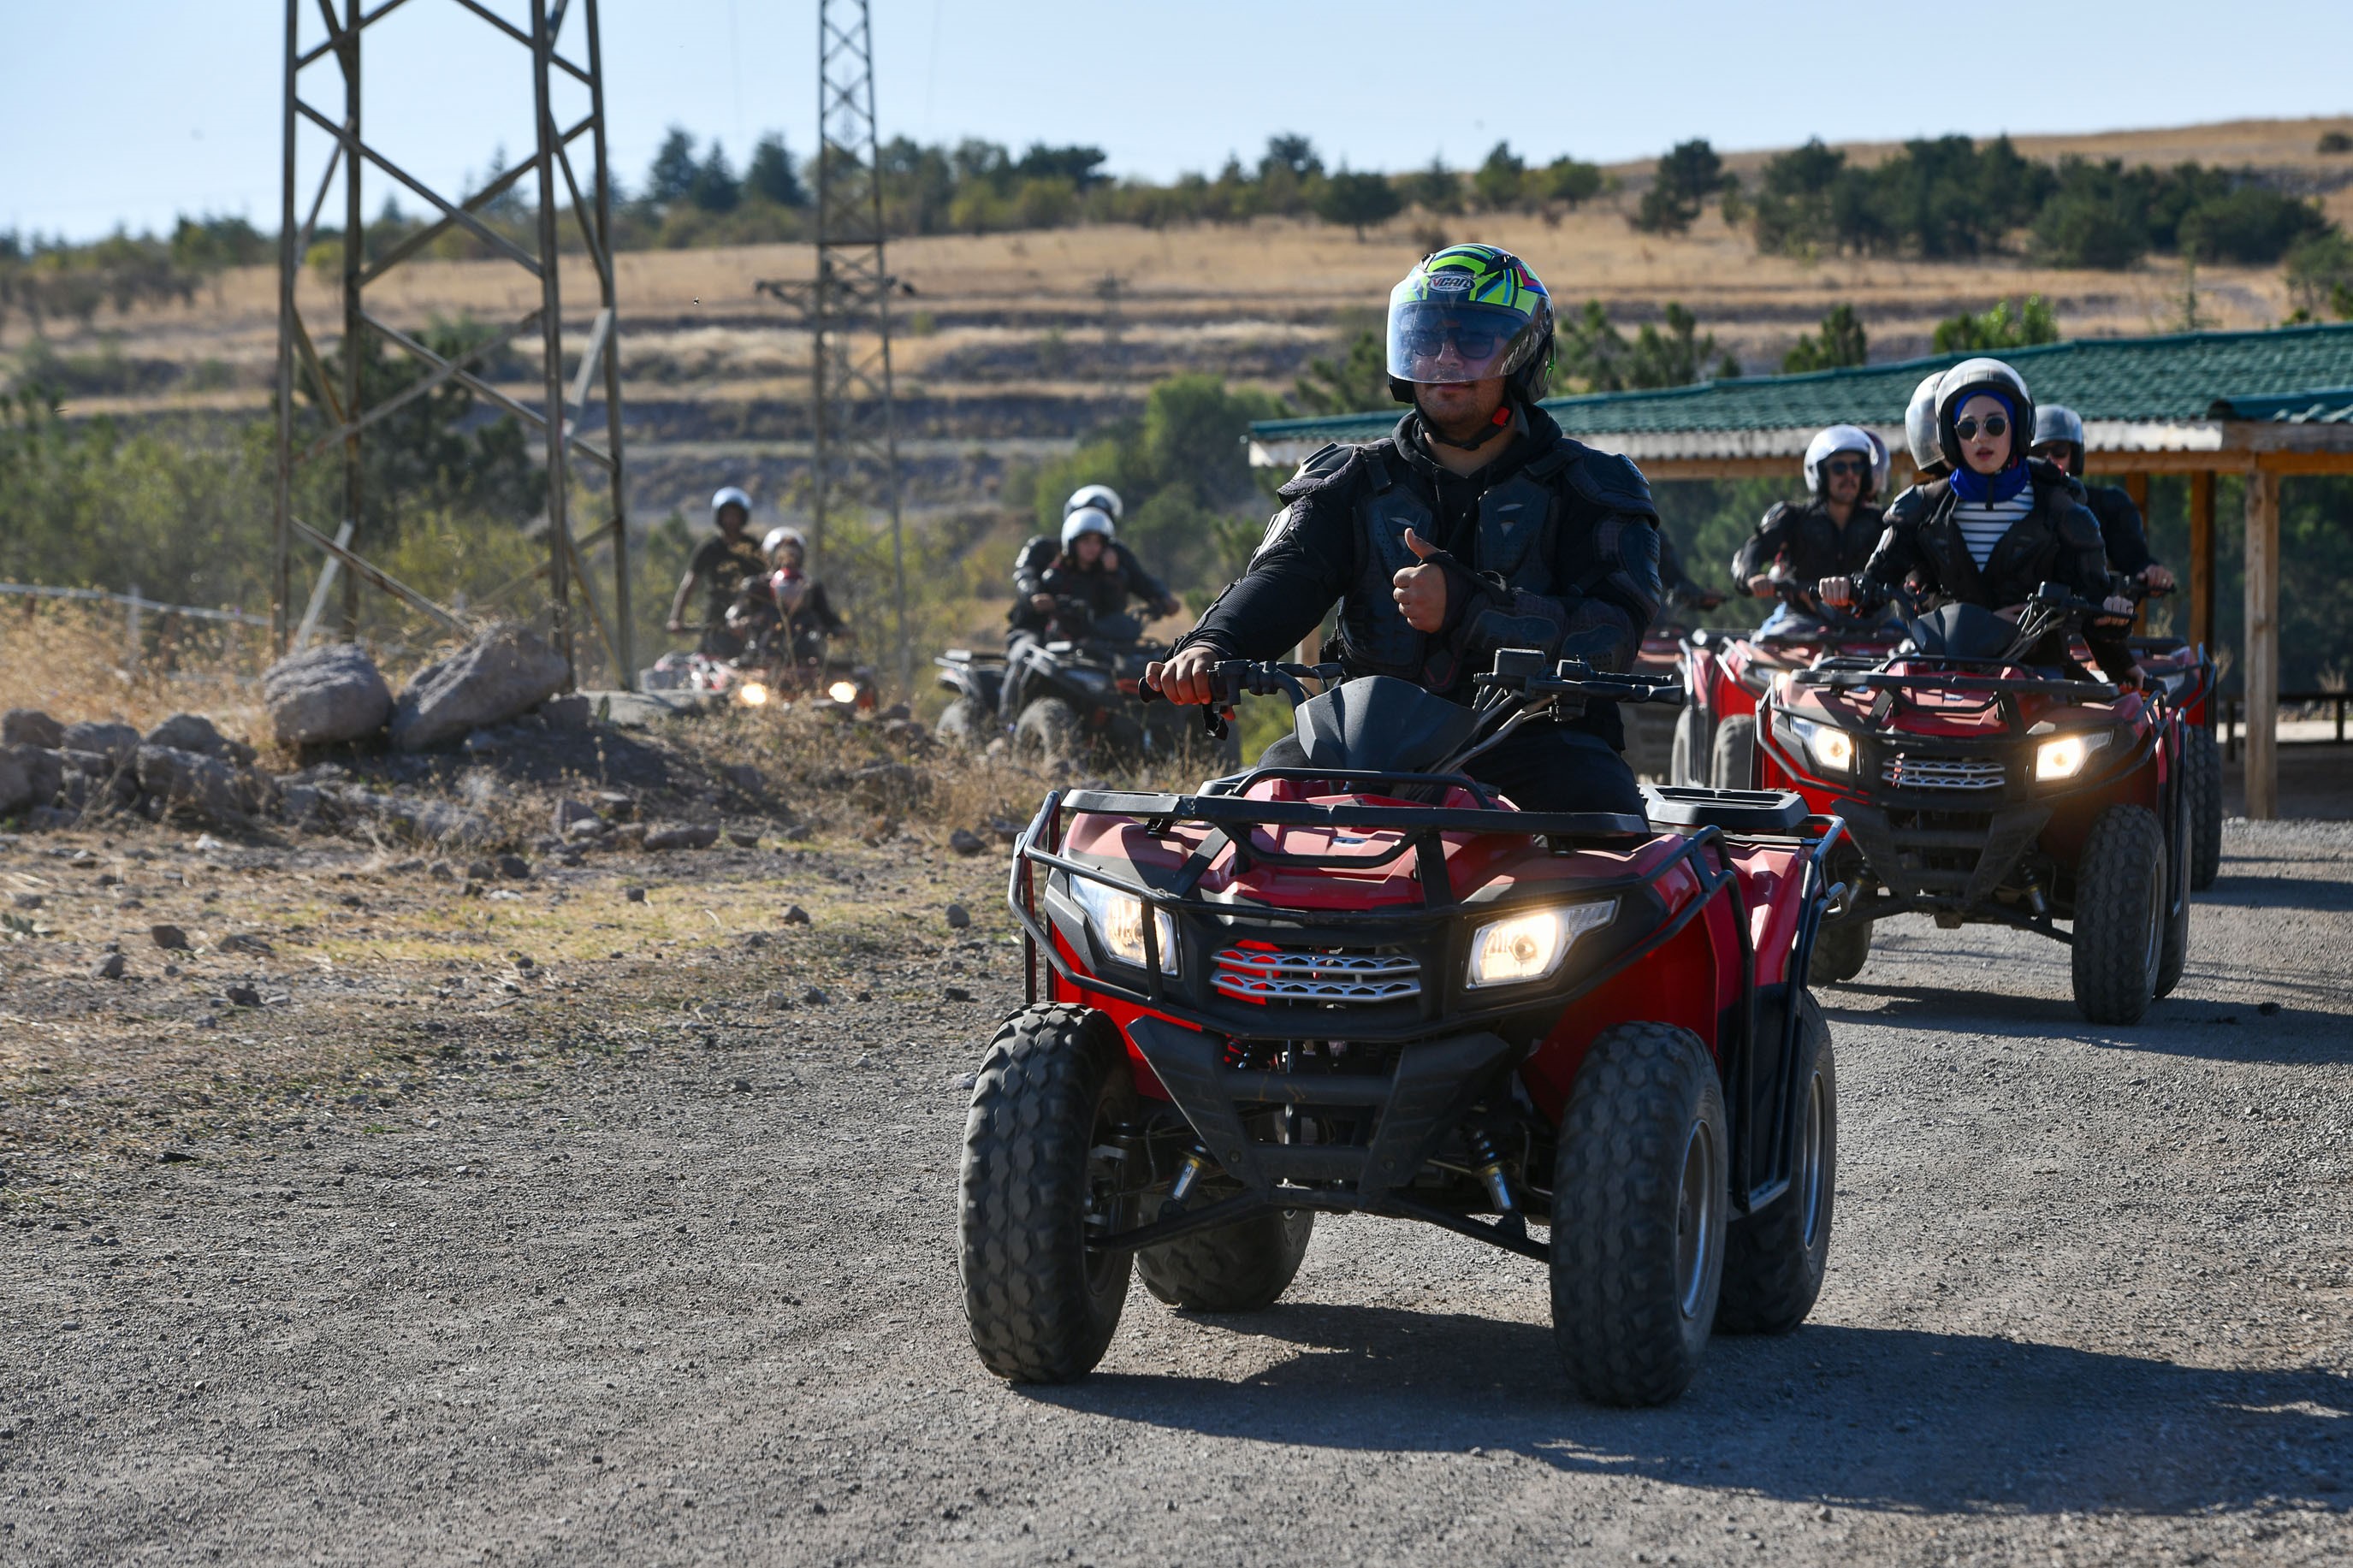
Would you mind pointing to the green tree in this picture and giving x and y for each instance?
(1678, 356)
(1567, 181)
(715, 187)
(772, 174)
(2000, 327)
(1840, 343)
(1437, 189)
(2320, 275)
(2251, 226)
(1592, 353)
(1358, 200)
(674, 168)
(1355, 383)
(1499, 184)
(1689, 174)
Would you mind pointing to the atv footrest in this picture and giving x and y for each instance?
(1733, 810)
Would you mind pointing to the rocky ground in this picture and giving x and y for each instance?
(607, 1214)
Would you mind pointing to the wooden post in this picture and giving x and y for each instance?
(2202, 559)
(2136, 492)
(2262, 685)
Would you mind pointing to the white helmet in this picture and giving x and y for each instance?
(1838, 438)
(1920, 424)
(727, 496)
(1971, 376)
(1088, 519)
(1102, 498)
(779, 537)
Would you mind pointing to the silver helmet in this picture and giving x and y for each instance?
(1920, 425)
(1835, 439)
(2056, 425)
(727, 496)
(1088, 519)
(1967, 379)
(1102, 497)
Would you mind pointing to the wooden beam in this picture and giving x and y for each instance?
(2202, 559)
(2262, 682)
(2137, 491)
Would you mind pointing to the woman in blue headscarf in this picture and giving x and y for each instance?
(2000, 525)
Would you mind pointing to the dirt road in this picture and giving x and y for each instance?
(680, 1287)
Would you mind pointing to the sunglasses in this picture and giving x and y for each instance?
(1471, 342)
(1995, 425)
(1845, 467)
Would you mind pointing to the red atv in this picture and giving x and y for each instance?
(1727, 672)
(1370, 986)
(1978, 788)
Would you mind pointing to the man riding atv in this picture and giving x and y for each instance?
(1832, 534)
(1475, 526)
(727, 564)
(1998, 527)
(2059, 441)
(1063, 585)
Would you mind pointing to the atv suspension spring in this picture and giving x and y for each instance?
(1197, 1160)
(1489, 1162)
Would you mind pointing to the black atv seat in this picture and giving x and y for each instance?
(1733, 810)
(1379, 724)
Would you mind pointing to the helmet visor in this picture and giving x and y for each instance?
(1431, 342)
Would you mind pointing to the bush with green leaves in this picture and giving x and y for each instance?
(1688, 174)
(1841, 342)
(2000, 326)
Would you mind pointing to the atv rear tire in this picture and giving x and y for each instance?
(2202, 778)
(1841, 949)
(965, 725)
(1732, 760)
(1691, 746)
(1237, 1267)
(1047, 732)
(2120, 915)
(1774, 1258)
(1637, 1215)
(1040, 1306)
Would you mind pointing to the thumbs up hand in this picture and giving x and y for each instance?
(1420, 590)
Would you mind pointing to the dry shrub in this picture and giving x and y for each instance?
(73, 661)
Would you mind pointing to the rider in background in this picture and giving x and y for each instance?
(1086, 563)
(1832, 534)
(726, 564)
(1998, 526)
(808, 616)
(1682, 599)
(2059, 441)
(1475, 526)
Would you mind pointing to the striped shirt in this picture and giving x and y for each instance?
(1982, 524)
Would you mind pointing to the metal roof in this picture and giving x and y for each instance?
(2169, 393)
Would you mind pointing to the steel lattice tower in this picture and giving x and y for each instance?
(856, 446)
(574, 74)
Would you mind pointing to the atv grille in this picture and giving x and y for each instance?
(1942, 773)
(1290, 974)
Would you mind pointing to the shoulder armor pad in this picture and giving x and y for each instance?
(1326, 467)
(1918, 501)
(2078, 526)
(1773, 514)
(1610, 482)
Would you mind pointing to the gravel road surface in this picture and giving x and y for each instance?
(697, 1303)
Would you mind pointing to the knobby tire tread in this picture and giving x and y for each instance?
(2123, 865)
(1239, 1268)
(1771, 1277)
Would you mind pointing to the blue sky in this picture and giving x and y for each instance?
(134, 112)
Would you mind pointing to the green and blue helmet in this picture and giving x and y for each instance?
(1466, 313)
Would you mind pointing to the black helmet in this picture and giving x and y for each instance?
(2056, 425)
(1482, 303)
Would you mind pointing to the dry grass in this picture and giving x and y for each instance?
(70, 661)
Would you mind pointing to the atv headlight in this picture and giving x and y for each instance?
(2065, 757)
(843, 691)
(1118, 921)
(1530, 945)
(1833, 749)
(753, 694)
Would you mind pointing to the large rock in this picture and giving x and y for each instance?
(193, 784)
(118, 742)
(195, 733)
(16, 788)
(499, 675)
(44, 770)
(325, 695)
(30, 727)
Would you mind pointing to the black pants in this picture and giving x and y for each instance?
(1541, 767)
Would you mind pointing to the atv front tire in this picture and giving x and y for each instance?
(1691, 746)
(1732, 760)
(2120, 911)
(1047, 732)
(1637, 1215)
(1041, 1307)
(2201, 777)
(1841, 949)
(1774, 1258)
(1237, 1267)
(965, 725)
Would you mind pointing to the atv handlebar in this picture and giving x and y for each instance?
(1235, 677)
(1526, 670)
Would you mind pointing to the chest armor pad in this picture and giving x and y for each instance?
(1514, 540)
